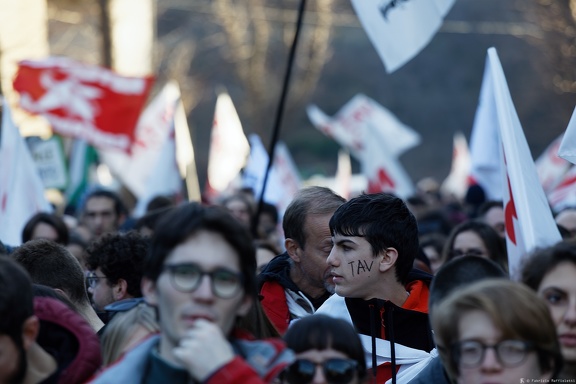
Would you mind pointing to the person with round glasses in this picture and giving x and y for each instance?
(328, 350)
(496, 331)
(200, 275)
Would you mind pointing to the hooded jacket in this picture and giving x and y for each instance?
(394, 338)
(281, 299)
(69, 339)
(256, 362)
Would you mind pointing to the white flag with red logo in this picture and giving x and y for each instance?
(458, 180)
(551, 168)
(21, 188)
(229, 148)
(529, 221)
(384, 172)
(363, 119)
(283, 181)
(564, 193)
(399, 29)
(83, 101)
(155, 127)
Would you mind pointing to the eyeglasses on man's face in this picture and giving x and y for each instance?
(92, 280)
(510, 353)
(187, 277)
(336, 371)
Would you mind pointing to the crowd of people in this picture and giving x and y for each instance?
(373, 289)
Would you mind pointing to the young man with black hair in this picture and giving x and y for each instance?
(200, 276)
(375, 242)
(115, 263)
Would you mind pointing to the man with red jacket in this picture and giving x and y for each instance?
(297, 282)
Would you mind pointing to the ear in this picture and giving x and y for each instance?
(30, 329)
(388, 259)
(292, 247)
(120, 290)
(61, 292)
(149, 291)
(245, 306)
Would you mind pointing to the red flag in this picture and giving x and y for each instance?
(83, 101)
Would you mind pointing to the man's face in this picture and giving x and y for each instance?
(99, 287)
(100, 216)
(12, 361)
(353, 268)
(313, 255)
(179, 310)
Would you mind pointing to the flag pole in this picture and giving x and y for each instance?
(279, 113)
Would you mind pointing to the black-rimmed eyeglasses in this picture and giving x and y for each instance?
(92, 280)
(224, 282)
(510, 353)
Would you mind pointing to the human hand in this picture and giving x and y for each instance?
(203, 350)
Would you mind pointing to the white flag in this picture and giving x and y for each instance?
(400, 29)
(361, 118)
(529, 221)
(384, 172)
(567, 148)
(343, 178)
(283, 181)
(21, 188)
(485, 152)
(153, 130)
(229, 148)
(164, 180)
(458, 180)
(550, 167)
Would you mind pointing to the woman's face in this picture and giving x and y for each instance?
(477, 326)
(318, 357)
(469, 243)
(558, 289)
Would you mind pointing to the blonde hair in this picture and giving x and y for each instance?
(121, 329)
(513, 308)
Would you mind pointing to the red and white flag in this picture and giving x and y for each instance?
(229, 148)
(363, 119)
(400, 29)
(83, 101)
(551, 168)
(529, 221)
(21, 188)
(283, 181)
(154, 130)
(564, 193)
(458, 180)
(384, 172)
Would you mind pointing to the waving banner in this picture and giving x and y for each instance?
(83, 101)
(399, 29)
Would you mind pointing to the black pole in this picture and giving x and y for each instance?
(279, 113)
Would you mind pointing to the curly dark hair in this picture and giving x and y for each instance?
(119, 256)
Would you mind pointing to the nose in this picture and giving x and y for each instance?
(570, 315)
(332, 259)
(319, 376)
(204, 290)
(490, 361)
